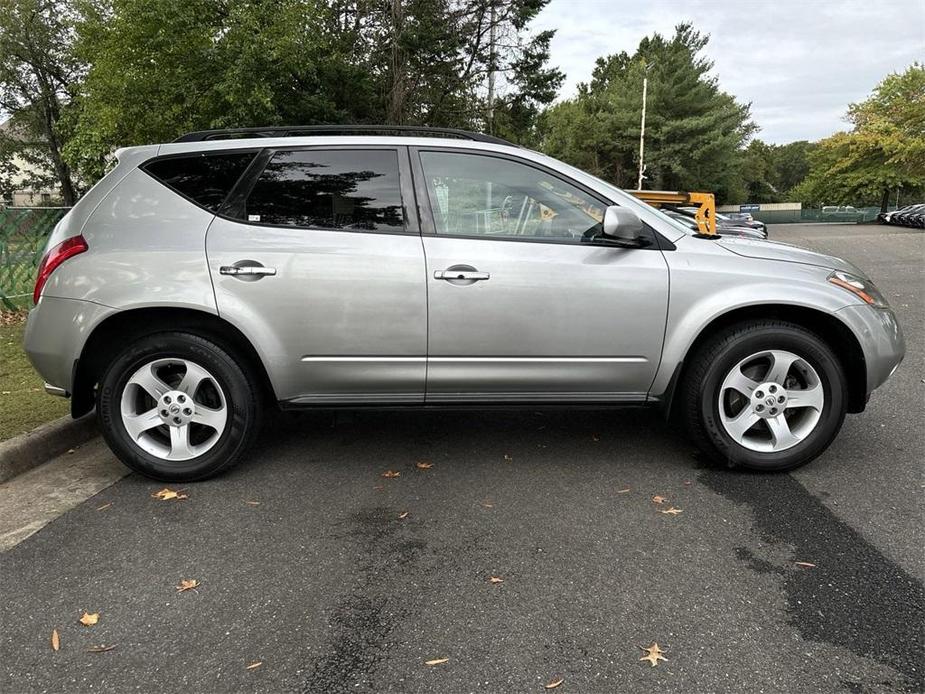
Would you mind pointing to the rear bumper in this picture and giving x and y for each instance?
(881, 340)
(55, 335)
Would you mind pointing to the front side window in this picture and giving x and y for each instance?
(329, 189)
(476, 195)
(206, 179)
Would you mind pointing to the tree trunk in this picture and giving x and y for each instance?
(885, 200)
(396, 97)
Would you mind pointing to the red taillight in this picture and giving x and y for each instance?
(57, 255)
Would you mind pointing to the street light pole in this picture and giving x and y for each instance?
(642, 127)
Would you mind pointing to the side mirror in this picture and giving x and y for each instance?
(623, 226)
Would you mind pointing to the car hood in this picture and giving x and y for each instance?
(775, 250)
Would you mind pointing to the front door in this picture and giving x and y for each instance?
(319, 263)
(524, 304)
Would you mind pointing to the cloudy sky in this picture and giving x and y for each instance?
(799, 62)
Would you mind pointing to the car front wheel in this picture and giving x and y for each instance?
(765, 395)
(177, 407)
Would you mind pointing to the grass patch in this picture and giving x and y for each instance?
(24, 404)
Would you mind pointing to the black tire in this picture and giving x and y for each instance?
(719, 354)
(241, 394)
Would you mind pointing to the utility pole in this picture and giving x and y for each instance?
(642, 127)
(491, 70)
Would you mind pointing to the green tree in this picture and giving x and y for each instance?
(770, 172)
(885, 149)
(694, 130)
(38, 71)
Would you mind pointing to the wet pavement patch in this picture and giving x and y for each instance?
(854, 597)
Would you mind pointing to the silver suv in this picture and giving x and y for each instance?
(205, 281)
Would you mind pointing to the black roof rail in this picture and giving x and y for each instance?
(308, 130)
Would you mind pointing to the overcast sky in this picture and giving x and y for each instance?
(799, 62)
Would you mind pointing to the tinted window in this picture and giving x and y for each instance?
(489, 196)
(329, 189)
(204, 178)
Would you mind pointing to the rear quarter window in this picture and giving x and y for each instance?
(204, 178)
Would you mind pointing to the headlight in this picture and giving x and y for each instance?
(862, 288)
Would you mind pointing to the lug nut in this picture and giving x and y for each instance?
(187, 411)
(780, 399)
(176, 419)
(167, 399)
(759, 394)
(760, 408)
(773, 410)
(163, 413)
(773, 389)
(181, 398)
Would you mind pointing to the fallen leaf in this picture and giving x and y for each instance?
(623, 491)
(594, 437)
(424, 465)
(495, 579)
(187, 584)
(672, 511)
(507, 458)
(659, 499)
(554, 684)
(99, 649)
(653, 654)
(391, 473)
(687, 483)
(806, 564)
(402, 516)
(254, 666)
(104, 506)
(378, 487)
(55, 640)
(436, 661)
(166, 494)
(251, 503)
(487, 504)
(89, 619)
(70, 451)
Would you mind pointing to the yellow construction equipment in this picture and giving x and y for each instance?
(704, 202)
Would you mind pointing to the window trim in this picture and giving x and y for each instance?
(426, 214)
(254, 151)
(239, 194)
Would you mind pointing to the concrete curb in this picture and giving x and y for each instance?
(24, 452)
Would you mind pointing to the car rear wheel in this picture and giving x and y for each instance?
(177, 407)
(765, 395)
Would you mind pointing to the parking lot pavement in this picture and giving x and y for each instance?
(307, 564)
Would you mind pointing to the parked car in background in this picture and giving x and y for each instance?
(687, 219)
(910, 215)
(846, 213)
(202, 284)
(726, 225)
(740, 216)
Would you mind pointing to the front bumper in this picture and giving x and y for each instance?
(881, 340)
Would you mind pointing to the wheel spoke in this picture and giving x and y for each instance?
(740, 382)
(780, 366)
(137, 424)
(179, 443)
(146, 379)
(738, 425)
(811, 397)
(210, 418)
(192, 378)
(780, 432)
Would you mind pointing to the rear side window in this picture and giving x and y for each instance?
(206, 179)
(356, 190)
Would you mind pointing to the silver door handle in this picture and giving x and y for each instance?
(246, 270)
(460, 275)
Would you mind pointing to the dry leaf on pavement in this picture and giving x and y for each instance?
(55, 640)
(99, 649)
(254, 666)
(659, 499)
(653, 654)
(554, 684)
(402, 516)
(487, 504)
(495, 579)
(187, 584)
(424, 465)
(104, 506)
(391, 473)
(805, 564)
(436, 661)
(672, 511)
(250, 502)
(507, 458)
(623, 491)
(166, 494)
(89, 619)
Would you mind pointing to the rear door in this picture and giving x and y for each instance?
(317, 258)
(525, 302)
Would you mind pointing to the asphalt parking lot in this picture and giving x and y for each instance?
(306, 563)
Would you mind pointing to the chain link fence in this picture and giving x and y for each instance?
(23, 233)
